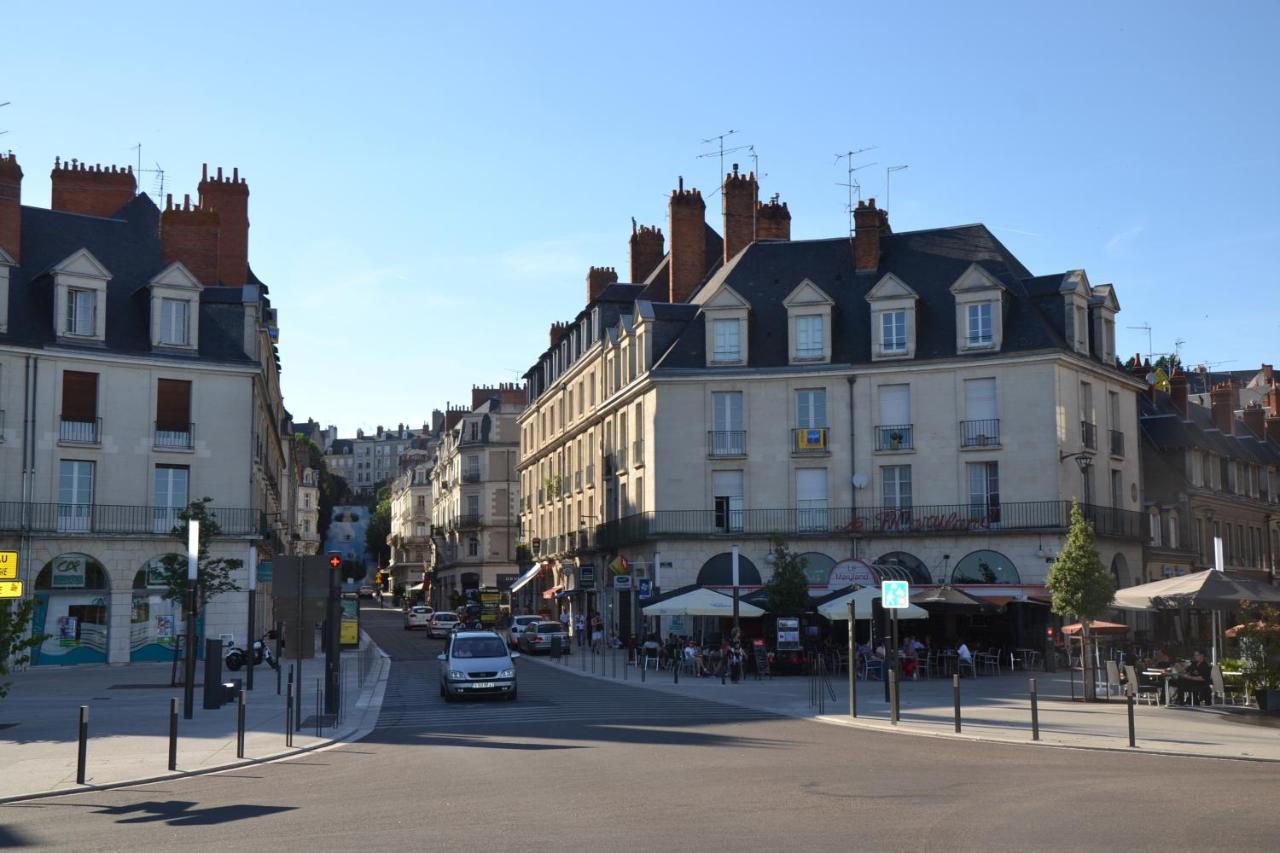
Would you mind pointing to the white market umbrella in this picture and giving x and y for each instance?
(700, 602)
(837, 609)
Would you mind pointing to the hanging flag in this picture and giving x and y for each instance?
(811, 439)
(620, 566)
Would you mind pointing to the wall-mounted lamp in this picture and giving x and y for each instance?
(1084, 459)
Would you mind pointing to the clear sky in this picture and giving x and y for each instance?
(429, 183)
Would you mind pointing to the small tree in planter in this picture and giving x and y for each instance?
(1260, 650)
(788, 589)
(1081, 588)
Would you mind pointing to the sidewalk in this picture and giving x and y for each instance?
(995, 708)
(129, 721)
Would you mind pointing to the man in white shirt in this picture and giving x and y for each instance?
(963, 653)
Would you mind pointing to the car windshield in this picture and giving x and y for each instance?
(549, 628)
(479, 647)
(420, 610)
(446, 617)
(525, 620)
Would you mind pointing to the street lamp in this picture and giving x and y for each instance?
(734, 558)
(189, 662)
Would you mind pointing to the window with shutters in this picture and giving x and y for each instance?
(894, 429)
(173, 414)
(981, 426)
(80, 423)
(811, 499)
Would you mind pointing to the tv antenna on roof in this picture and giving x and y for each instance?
(887, 173)
(852, 183)
(720, 152)
(5, 104)
(157, 171)
(1145, 327)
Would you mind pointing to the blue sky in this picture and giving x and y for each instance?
(430, 183)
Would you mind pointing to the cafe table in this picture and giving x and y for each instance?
(1166, 676)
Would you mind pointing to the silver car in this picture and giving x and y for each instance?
(477, 663)
(537, 637)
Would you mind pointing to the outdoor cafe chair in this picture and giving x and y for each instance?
(1113, 678)
(869, 665)
(971, 665)
(1220, 688)
(1141, 692)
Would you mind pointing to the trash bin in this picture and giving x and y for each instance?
(231, 689)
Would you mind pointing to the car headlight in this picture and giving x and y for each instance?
(454, 675)
(507, 673)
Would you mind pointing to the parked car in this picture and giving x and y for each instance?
(367, 591)
(418, 616)
(442, 622)
(537, 637)
(518, 624)
(477, 663)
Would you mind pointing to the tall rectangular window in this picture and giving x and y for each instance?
(811, 408)
(82, 306)
(79, 407)
(895, 482)
(727, 340)
(893, 431)
(1117, 489)
(75, 495)
(726, 491)
(173, 413)
(984, 490)
(979, 314)
(811, 498)
(727, 435)
(175, 322)
(893, 331)
(981, 426)
(170, 496)
(809, 342)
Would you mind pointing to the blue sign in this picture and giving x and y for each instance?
(895, 595)
(587, 577)
(264, 571)
(646, 587)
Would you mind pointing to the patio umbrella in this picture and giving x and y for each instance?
(948, 599)
(836, 606)
(1097, 628)
(1234, 631)
(698, 601)
(1207, 590)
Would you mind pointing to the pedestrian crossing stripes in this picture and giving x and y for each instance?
(547, 696)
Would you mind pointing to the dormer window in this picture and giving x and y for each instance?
(893, 319)
(727, 335)
(175, 322)
(979, 326)
(82, 313)
(809, 323)
(809, 338)
(893, 332)
(175, 297)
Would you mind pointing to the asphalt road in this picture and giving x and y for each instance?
(579, 764)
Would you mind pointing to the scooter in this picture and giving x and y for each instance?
(235, 658)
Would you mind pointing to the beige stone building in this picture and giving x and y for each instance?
(138, 372)
(914, 405)
(411, 505)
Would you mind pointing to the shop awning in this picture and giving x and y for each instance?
(836, 606)
(699, 601)
(553, 592)
(567, 593)
(417, 587)
(526, 577)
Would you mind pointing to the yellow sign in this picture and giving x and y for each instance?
(8, 565)
(10, 589)
(350, 635)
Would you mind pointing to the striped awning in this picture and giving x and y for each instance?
(526, 577)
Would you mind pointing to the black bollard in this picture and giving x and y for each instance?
(83, 748)
(318, 707)
(1132, 737)
(675, 666)
(1035, 712)
(240, 725)
(173, 733)
(288, 713)
(893, 697)
(955, 689)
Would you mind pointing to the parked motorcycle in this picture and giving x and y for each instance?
(235, 656)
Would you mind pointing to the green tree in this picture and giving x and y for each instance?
(787, 591)
(1081, 587)
(213, 574)
(375, 536)
(15, 646)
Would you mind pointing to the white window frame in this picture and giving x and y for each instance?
(810, 337)
(78, 324)
(893, 332)
(175, 322)
(726, 334)
(895, 486)
(978, 315)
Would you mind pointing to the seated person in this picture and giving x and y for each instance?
(1161, 660)
(1196, 679)
(963, 653)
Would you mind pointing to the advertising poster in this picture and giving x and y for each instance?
(788, 633)
(349, 632)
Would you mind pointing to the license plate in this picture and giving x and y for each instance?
(483, 685)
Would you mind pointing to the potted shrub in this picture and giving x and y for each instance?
(1259, 639)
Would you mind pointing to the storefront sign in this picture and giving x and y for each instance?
(851, 572)
(587, 576)
(906, 521)
(788, 633)
(10, 589)
(8, 565)
(646, 588)
(622, 582)
(67, 572)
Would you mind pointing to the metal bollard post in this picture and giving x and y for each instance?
(173, 733)
(625, 664)
(644, 666)
(319, 707)
(893, 696)
(82, 751)
(1132, 736)
(955, 689)
(582, 655)
(1035, 712)
(288, 713)
(613, 656)
(240, 724)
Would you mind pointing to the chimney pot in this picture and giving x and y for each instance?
(740, 201)
(1221, 400)
(689, 261)
(90, 190)
(11, 206)
(869, 225)
(1255, 418)
(231, 200)
(647, 249)
(1178, 391)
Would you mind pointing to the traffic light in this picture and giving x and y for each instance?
(335, 561)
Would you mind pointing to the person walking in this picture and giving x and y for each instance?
(597, 632)
(579, 628)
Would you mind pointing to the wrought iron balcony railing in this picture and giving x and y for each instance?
(727, 442)
(980, 433)
(74, 431)
(174, 437)
(109, 519)
(895, 437)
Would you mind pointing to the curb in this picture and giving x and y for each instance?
(378, 687)
(886, 728)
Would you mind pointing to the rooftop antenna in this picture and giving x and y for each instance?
(720, 152)
(1177, 350)
(887, 172)
(852, 183)
(5, 104)
(157, 171)
(1145, 327)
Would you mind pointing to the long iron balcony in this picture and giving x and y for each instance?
(937, 520)
(107, 519)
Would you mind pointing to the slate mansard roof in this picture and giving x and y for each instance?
(128, 245)
(1166, 428)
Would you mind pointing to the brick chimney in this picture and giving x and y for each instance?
(598, 278)
(647, 249)
(557, 329)
(740, 198)
(91, 190)
(1268, 375)
(1178, 391)
(11, 207)
(1222, 399)
(869, 225)
(229, 198)
(1273, 429)
(1255, 418)
(688, 264)
(190, 234)
(773, 220)
(506, 393)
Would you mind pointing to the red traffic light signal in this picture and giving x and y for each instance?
(335, 561)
